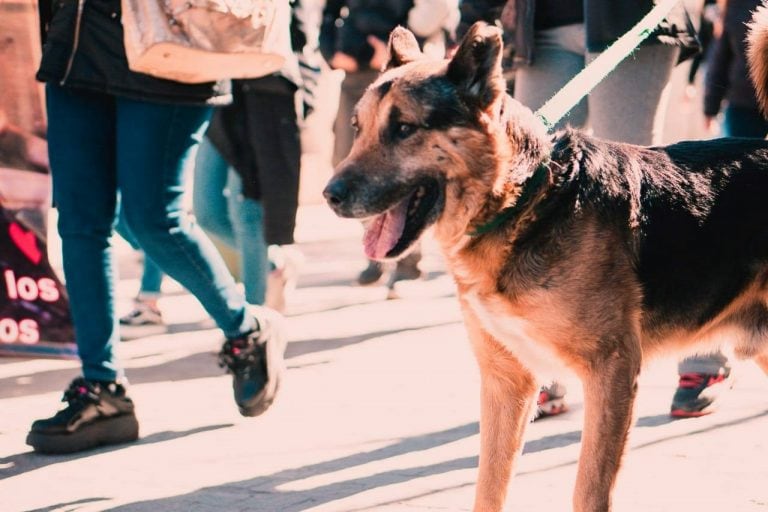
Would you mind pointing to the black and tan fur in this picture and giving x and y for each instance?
(595, 254)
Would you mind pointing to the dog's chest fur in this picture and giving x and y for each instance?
(516, 333)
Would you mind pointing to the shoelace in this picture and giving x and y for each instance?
(237, 353)
(696, 380)
(81, 391)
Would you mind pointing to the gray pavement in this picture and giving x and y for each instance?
(379, 412)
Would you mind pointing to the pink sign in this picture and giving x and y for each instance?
(34, 311)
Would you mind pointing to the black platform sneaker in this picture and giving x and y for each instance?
(256, 362)
(97, 414)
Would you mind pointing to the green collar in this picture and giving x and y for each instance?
(530, 187)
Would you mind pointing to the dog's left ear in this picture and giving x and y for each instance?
(402, 48)
(476, 66)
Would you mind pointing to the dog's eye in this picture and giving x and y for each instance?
(405, 130)
(355, 125)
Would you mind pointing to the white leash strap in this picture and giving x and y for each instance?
(581, 84)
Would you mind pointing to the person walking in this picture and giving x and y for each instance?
(112, 131)
(248, 168)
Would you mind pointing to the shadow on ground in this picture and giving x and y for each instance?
(29, 461)
(193, 366)
(268, 487)
(237, 494)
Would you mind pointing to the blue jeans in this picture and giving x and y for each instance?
(744, 122)
(151, 275)
(223, 211)
(101, 146)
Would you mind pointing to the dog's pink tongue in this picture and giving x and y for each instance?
(383, 232)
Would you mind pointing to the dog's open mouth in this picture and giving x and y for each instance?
(391, 233)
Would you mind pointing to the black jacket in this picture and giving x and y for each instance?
(727, 75)
(97, 61)
(364, 17)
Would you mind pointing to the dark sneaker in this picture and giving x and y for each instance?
(371, 274)
(407, 268)
(97, 414)
(551, 401)
(143, 320)
(142, 314)
(696, 393)
(255, 361)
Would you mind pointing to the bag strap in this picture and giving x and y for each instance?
(258, 10)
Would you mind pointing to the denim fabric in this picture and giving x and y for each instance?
(744, 122)
(223, 211)
(247, 217)
(151, 275)
(101, 146)
(209, 199)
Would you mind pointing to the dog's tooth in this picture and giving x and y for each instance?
(420, 192)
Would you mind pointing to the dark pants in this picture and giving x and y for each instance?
(259, 136)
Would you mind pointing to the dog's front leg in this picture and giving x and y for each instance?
(610, 387)
(507, 393)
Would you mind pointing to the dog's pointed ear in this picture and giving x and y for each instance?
(475, 68)
(402, 48)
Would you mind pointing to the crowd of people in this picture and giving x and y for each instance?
(141, 142)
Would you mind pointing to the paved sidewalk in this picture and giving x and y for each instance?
(379, 412)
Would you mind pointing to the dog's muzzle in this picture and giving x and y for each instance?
(336, 194)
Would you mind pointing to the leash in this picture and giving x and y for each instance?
(578, 87)
(586, 80)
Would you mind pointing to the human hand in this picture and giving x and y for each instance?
(21, 146)
(380, 53)
(344, 62)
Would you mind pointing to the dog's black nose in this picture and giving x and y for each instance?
(336, 192)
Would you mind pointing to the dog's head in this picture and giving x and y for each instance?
(422, 141)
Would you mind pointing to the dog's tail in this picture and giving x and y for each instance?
(757, 54)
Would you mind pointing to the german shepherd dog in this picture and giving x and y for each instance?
(565, 248)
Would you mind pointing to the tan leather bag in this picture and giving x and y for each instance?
(195, 41)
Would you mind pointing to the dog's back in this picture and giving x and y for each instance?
(693, 216)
